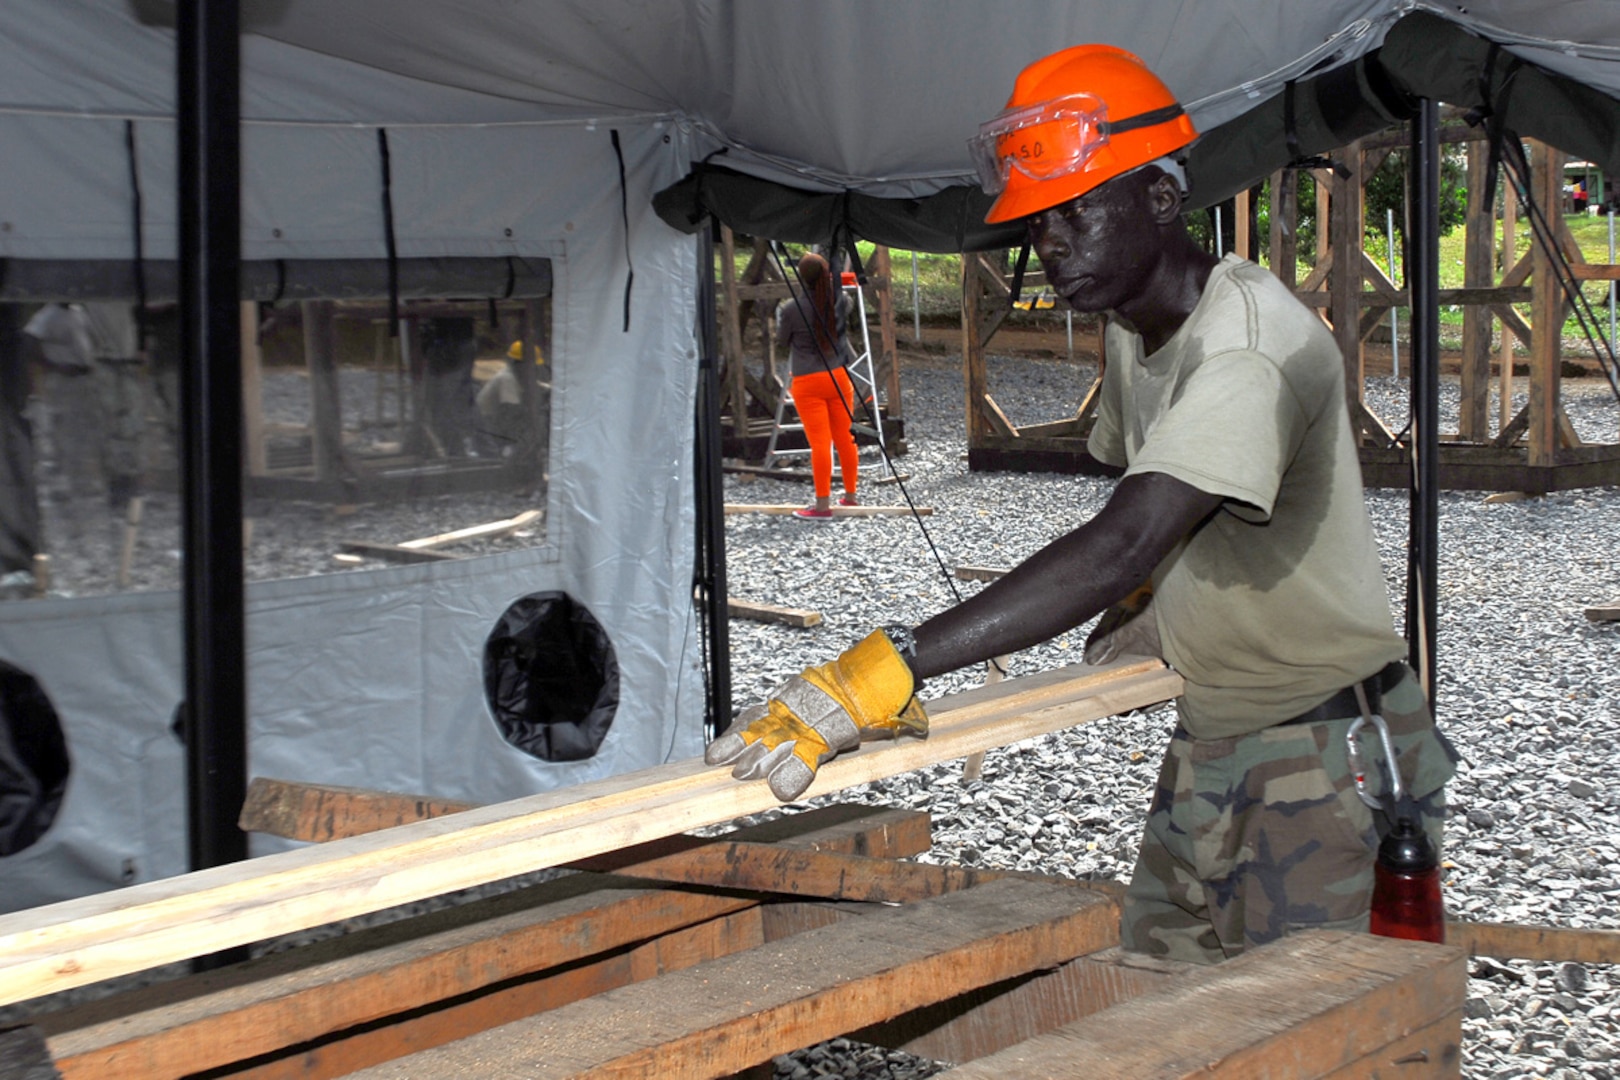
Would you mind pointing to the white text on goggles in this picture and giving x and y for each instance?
(1052, 139)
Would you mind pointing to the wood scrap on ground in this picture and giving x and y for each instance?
(1609, 612)
(425, 549)
(746, 609)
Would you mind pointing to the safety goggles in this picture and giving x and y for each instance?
(1051, 139)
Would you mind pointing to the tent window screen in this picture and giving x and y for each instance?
(551, 677)
(366, 445)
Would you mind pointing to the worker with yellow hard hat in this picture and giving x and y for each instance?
(1236, 546)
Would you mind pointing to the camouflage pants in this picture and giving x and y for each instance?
(121, 396)
(1249, 838)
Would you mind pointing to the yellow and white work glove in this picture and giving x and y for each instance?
(1128, 628)
(867, 693)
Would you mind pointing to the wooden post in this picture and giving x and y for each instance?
(735, 388)
(1510, 208)
(973, 372)
(325, 400)
(1473, 420)
(1240, 222)
(1284, 239)
(888, 364)
(252, 392)
(1345, 224)
(1546, 309)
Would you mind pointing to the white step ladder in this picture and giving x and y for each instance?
(861, 376)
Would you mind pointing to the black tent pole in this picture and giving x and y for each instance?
(1423, 277)
(710, 497)
(215, 709)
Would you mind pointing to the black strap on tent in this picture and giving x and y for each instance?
(388, 232)
(1491, 112)
(624, 210)
(140, 235)
(281, 282)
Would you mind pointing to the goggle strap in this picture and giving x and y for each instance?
(1142, 120)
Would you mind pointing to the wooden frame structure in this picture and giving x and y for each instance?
(1535, 449)
(754, 397)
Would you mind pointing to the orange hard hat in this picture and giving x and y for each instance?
(1076, 119)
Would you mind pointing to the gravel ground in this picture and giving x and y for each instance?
(1528, 691)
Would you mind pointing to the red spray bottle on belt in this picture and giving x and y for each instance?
(1406, 900)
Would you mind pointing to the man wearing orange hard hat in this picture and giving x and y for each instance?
(1236, 545)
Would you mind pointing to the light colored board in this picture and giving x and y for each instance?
(393, 552)
(1514, 941)
(82, 941)
(729, 1014)
(486, 531)
(1302, 1007)
(980, 573)
(221, 1017)
(746, 609)
(837, 511)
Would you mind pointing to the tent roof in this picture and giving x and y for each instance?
(866, 101)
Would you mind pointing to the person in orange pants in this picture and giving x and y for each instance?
(813, 324)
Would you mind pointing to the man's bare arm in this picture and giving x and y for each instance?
(1069, 580)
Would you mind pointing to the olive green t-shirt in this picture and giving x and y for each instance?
(1278, 600)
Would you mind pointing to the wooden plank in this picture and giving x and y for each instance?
(393, 552)
(838, 511)
(252, 1009)
(1595, 271)
(1433, 1050)
(771, 613)
(1546, 316)
(72, 943)
(1309, 1004)
(486, 531)
(984, 1021)
(1516, 941)
(718, 1018)
(1604, 612)
(980, 573)
(321, 812)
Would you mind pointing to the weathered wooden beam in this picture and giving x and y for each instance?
(317, 813)
(1546, 315)
(740, 1010)
(427, 964)
(1515, 941)
(1314, 1003)
(1595, 271)
(771, 613)
(838, 511)
(81, 941)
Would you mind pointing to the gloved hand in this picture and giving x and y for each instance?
(1128, 628)
(868, 692)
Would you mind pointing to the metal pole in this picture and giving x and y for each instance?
(917, 303)
(1218, 252)
(1611, 284)
(208, 133)
(1423, 277)
(709, 503)
(1394, 337)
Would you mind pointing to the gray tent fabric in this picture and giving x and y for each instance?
(505, 125)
